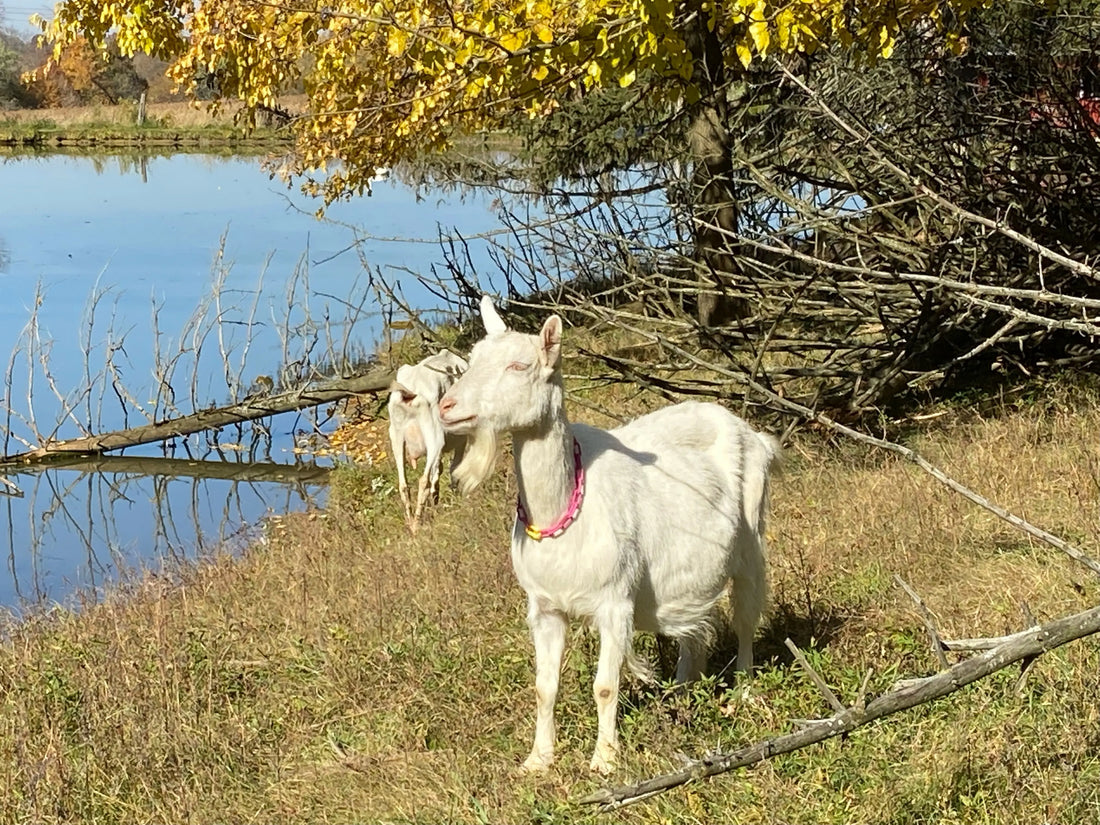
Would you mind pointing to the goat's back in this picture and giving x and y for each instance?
(698, 453)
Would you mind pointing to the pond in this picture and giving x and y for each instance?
(120, 275)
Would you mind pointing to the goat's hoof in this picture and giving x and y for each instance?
(603, 761)
(535, 763)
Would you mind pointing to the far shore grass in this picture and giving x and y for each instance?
(166, 124)
(169, 128)
(345, 671)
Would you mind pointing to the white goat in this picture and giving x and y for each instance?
(648, 523)
(415, 428)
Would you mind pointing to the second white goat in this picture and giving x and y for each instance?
(637, 528)
(415, 428)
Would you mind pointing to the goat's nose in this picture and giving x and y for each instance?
(446, 404)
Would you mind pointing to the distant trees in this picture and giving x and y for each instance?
(81, 75)
(9, 70)
(13, 92)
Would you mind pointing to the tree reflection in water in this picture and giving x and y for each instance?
(82, 524)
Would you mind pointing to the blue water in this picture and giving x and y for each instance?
(92, 249)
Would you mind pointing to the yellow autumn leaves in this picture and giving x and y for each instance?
(388, 79)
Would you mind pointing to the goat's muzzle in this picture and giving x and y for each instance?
(452, 423)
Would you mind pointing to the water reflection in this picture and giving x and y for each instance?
(144, 287)
(81, 523)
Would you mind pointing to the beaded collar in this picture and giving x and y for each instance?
(570, 514)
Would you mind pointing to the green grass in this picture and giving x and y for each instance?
(343, 670)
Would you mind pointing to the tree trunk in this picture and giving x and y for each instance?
(715, 210)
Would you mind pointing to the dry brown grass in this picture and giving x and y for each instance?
(345, 671)
(179, 114)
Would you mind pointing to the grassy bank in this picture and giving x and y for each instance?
(167, 124)
(345, 671)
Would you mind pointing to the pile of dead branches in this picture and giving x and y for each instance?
(890, 235)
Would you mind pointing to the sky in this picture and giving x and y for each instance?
(16, 12)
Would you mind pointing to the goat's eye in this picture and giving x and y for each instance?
(518, 366)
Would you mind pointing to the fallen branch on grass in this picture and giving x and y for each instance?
(250, 409)
(1017, 647)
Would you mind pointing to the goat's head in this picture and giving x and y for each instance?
(513, 383)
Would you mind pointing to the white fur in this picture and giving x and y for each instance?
(415, 428)
(674, 510)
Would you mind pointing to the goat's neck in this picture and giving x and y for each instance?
(545, 468)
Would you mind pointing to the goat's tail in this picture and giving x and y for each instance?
(477, 461)
(760, 460)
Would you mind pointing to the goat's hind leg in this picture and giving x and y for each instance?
(397, 445)
(548, 629)
(428, 488)
(423, 493)
(429, 479)
(748, 598)
(692, 660)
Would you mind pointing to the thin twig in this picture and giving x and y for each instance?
(929, 621)
(826, 691)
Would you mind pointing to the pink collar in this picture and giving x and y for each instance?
(570, 514)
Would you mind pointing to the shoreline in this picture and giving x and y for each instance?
(168, 141)
(51, 137)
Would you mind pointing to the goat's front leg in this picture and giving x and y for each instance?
(548, 631)
(423, 492)
(429, 479)
(615, 642)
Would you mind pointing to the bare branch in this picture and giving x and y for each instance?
(808, 414)
(248, 410)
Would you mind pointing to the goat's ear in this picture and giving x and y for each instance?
(407, 395)
(550, 339)
(489, 317)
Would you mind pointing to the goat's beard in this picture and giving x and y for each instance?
(478, 460)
